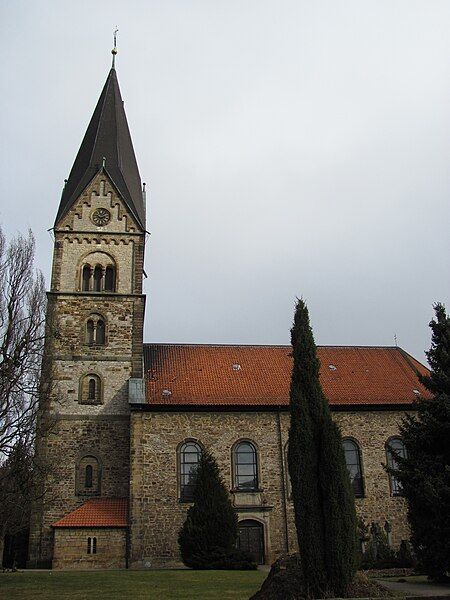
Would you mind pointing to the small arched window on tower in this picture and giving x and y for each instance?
(91, 389)
(98, 273)
(98, 279)
(90, 332)
(88, 476)
(109, 279)
(100, 332)
(95, 330)
(86, 278)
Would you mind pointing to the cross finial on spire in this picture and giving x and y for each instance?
(114, 50)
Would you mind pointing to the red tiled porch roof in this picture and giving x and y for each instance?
(204, 375)
(97, 512)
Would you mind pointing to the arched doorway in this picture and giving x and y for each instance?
(251, 539)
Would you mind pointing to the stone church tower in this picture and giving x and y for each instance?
(97, 311)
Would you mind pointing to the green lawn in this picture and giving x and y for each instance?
(136, 585)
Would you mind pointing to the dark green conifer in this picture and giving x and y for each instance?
(323, 500)
(209, 533)
(424, 473)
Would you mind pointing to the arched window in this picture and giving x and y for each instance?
(90, 389)
(90, 332)
(109, 279)
(98, 277)
(100, 332)
(95, 330)
(245, 467)
(395, 448)
(86, 278)
(190, 453)
(353, 462)
(98, 273)
(88, 474)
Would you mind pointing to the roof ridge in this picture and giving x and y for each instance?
(236, 345)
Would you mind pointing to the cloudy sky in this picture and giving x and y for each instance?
(290, 148)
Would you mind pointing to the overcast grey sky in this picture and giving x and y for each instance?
(290, 148)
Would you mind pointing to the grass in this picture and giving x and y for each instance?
(138, 585)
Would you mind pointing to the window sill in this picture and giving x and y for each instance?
(94, 345)
(239, 491)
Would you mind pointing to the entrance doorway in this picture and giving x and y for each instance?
(251, 539)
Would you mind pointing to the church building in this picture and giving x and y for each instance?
(130, 419)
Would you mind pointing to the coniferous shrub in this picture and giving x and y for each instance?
(324, 507)
(208, 536)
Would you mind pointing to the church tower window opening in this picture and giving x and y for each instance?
(95, 334)
(98, 273)
(88, 473)
(90, 389)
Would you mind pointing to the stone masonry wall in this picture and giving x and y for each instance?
(71, 547)
(107, 438)
(157, 514)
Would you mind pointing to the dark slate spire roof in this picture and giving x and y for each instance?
(107, 136)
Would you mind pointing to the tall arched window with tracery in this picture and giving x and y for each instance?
(395, 448)
(354, 468)
(189, 457)
(245, 464)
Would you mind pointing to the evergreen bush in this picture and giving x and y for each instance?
(208, 536)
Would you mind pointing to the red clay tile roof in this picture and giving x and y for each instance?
(203, 375)
(97, 512)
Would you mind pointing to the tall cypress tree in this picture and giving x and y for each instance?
(424, 473)
(210, 532)
(323, 500)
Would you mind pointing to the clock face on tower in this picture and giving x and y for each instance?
(100, 217)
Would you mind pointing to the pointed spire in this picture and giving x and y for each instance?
(107, 145)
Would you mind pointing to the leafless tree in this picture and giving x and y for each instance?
(22, 333)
